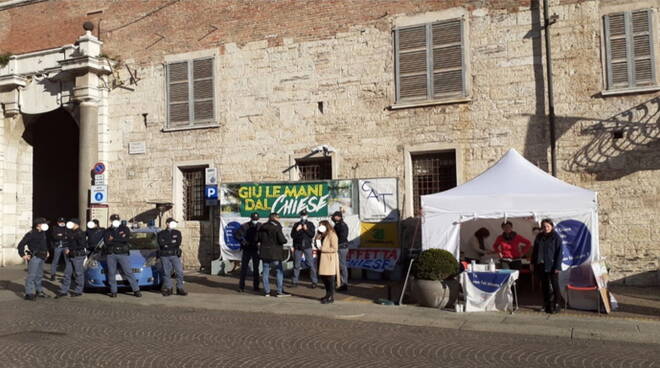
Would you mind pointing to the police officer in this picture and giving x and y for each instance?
(247, 236)
(169, 244)
(75, 252)
(93, 235)
(35, 254)
(302, 234)
(59, 240)
(116, 245)
(342, 234)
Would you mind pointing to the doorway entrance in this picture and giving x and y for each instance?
(54, 137)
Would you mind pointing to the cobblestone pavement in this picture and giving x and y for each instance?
(90, 333)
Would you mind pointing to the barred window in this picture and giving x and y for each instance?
(629, 53)
(194, 204)
(190, 93)
(318, 168)
(430, 61)
(432, 173)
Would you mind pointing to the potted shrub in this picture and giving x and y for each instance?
(434, 271)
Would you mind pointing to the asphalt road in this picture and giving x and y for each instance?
(84, 332)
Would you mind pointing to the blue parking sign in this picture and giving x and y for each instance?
(211, 192)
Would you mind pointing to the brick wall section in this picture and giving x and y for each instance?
(136, 26)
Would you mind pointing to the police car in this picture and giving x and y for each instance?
(143, 260)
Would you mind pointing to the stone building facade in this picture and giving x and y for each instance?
(271, 80)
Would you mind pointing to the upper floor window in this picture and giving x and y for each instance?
(629, 54)
(190, 93)
(430, 62)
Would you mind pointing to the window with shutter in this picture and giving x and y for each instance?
(430, 61)
(190, 93)
(629, 50)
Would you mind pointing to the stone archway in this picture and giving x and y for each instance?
(47, 85)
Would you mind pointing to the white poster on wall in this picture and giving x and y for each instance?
(378, 200)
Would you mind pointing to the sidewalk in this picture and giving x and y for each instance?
(219, 293)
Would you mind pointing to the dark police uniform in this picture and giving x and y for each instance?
(37, 248)
(169, 243)
(302, 245)
(93, 237)
(247, 235)
(59, 240)
(74, 263)
(117, 249)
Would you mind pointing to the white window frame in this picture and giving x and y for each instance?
(190, 58)
(430, 99)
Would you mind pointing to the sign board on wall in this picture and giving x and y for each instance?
(373, 245)
(98, 194)
(137, 148)
(378, 200)
(99, 213)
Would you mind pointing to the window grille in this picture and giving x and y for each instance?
(432, 173)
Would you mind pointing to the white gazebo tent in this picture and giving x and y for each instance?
(512, 188)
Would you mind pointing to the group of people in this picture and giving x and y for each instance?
(510, 248)
(264, 242)
(67, 240)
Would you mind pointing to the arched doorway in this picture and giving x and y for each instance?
(54, 137)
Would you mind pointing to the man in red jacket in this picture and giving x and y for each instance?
(508, 247)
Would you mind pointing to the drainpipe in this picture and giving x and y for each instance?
(547, 22)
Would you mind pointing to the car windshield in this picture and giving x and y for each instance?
(143, 241)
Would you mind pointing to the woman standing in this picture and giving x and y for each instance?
(329, 259)
(546, 261)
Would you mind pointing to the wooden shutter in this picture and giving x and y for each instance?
(642, 48)
(412, 63)
(448, 58)
(178, 102)
(629, 49)
(202, 88)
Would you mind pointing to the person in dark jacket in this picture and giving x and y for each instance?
(75, 252)
(271, 248)
(169, 245)
(94, 235)
(341, 229)
(58, 241)
(247, 235)
(36, 253)
(302, 234)
(117, 249)
(546, 262)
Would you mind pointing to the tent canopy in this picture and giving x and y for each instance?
(513, 186)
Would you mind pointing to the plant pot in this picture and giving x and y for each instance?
(437, 294)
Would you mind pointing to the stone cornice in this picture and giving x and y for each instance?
(11, 81)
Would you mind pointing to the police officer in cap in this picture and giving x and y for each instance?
(247, 236)
(75, 253)
(116, 246)
(169, 244)
(59, 240)
(302, 234)
(342, 234)
(35, 254)
(94, 235)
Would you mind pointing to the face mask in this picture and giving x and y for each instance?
(91, 225)
(322, 229)
(44, 227)
(172, 225)
(254, 222)
(304, 218)
(60, 224)
(69, 225)
(116, 223)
